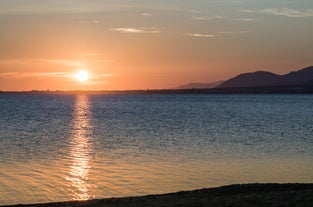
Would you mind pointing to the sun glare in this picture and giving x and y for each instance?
(82, 76)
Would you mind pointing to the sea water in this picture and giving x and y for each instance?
(78, 147)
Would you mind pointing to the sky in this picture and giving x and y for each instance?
(148, 44)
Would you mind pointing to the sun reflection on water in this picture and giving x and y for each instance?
(80, 150)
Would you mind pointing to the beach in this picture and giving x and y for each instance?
(152, 103)
(251, 195)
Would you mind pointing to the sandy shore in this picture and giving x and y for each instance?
(281, 195)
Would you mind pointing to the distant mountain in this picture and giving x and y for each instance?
(259, 78)
(299, 77)
(200, 85)
(267, 79)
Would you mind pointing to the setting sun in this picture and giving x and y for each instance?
(82, 76)
(155, 102)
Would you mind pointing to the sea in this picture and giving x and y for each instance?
(76, 147)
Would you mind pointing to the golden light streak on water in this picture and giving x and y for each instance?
(53, 148)
(80, 152)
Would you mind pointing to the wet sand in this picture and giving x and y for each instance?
(281, 195)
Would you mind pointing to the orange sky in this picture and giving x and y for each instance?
(148, 44)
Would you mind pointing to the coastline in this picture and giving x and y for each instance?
(231, 195)
(299, 89)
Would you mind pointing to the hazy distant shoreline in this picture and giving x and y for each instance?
(232, 195)
(242, 90)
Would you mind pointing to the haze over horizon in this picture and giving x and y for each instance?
(148, 44)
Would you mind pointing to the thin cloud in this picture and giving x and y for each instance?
(287, 12)
(21, 75)
(146, 14)
(246, 19)
(56, 74)
(105, 75)
(194, 11)
(70, 74)
(71, 63)
(233, 32)
(199, 18)
(7, 74)
(134, 30)
(201, 35)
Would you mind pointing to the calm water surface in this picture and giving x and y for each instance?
(77, 147)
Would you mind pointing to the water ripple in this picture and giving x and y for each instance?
(68, 147)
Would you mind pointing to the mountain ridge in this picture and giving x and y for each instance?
(266, 79)
(200, 85)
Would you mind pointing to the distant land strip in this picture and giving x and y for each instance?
(302, 89)
(259, 82)
(252, 195)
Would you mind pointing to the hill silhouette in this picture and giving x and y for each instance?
(200, 85)
(268, 79)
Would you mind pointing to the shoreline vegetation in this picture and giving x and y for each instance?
(303, 89)
(252, 195)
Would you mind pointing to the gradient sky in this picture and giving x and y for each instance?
(148, 44)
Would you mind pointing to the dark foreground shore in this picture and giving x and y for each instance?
(280, 195)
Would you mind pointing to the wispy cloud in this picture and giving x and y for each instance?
(206, 18)
(105, 75)
(21, 75)
(66, 62)
(71, 63)
(200, 35)
(194, 11)
(7, 74)
(233, 32)
(29, 74)
(283, 12)
(134, 30)
(146, 14)
(69, 71)
(246, 19)
(41, 62)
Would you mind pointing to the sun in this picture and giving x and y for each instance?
(82, 76)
